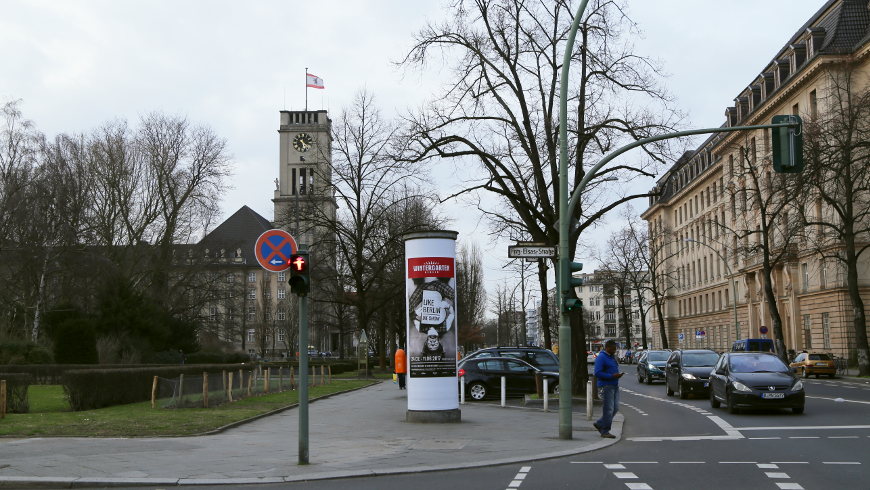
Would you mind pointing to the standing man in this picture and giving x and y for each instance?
(607, 375)
(400, 367)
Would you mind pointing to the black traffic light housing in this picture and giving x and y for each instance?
(788, 145)
(300, 282)
(571, 301)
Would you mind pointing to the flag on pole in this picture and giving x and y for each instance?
(313, 81)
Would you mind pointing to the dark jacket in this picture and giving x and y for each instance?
(605, 368)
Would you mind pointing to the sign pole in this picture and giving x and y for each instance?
(303, 379)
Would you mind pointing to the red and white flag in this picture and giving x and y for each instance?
(313, 81)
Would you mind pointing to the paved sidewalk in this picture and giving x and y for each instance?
(357, 433)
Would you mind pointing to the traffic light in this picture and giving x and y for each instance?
(300, 282)
(788, 145)
(571, 302)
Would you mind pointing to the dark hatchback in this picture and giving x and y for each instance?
(651, 365)
(543, 359)
(755, 380)
(483, 377)
(688, 372)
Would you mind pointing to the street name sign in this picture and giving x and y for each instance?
(531, 251)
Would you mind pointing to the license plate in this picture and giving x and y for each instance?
(824, 364)
(773, 395)
(706, 384)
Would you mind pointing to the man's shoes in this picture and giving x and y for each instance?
(608, 435)
(596, 426)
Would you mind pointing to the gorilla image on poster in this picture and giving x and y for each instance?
(432, 312)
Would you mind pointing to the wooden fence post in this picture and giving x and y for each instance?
(204, 389)
(292, 381)
(180, 390)
(330, 373)
(266, 380)
(250, 382)
(230, 391)
(154, 393)
(224, 381)
(2, 398)
(322, 371)
(241, 381)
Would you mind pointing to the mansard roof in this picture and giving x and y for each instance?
(239, 231)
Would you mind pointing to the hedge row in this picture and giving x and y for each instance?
(96, 388)
(16, 391)
(51, 374)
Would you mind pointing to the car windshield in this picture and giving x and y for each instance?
(658, 356)
(699, 359)
(820, 357)
(757, 364)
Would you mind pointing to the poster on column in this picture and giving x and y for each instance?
(431, 289)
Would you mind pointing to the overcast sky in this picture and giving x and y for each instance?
(233, 65)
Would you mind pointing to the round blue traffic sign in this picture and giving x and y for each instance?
(274, 249)
(763, 330)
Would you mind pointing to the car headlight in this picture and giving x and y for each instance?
(799, 386)
(738, 386)
(689, 376)
(653, 368)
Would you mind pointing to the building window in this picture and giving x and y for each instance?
(213, 313)
(814, 105)
(282, 293)
(823, 274)
(231, 278)
(610, 316)
(251, 333)
(252, 277)
(282, 315)
(611, 331)
(252, 313)
(282, 335)
(282, 277)
(826, 330)
(268, 315)
(805, 275)
(808, 334)
(611, 301)
(231, 314)
(267, 294)
(252, 293)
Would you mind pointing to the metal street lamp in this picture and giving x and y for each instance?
(733, 286)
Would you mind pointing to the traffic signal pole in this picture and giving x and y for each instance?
(303, 379)
(784, 161)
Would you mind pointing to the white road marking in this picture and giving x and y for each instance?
(789, 486)
(737, 462)
(728, 428)
(587, 462)
(515, 484)
(686, 462)
(842, 437)
(614, 467)
(806, 427)
(790, 462)
(525, 469)
(763, 438)
(635, 408)
(840, 462)
(625, 475)
(638, 486)
(781, 476)
(835, 399)
(769, 466)
(804, 437)
(520, 476)
(639, 462)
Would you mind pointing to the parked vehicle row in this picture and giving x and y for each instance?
(482, 371)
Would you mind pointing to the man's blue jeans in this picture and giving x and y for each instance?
(610, 401)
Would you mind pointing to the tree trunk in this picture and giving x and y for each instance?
(545, 304)
(663, 332)
(770, 297)
(860, 318)
(579, 369)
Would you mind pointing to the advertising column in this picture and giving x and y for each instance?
(430, 272)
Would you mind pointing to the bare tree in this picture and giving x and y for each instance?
(837, 154)
(502, 108)
(471, 300)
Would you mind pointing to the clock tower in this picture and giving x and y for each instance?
(304, 202)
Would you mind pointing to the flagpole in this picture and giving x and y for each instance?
(306, 89)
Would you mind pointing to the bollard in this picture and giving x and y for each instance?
(589, 395)
(546, 393)
(230, 385)
(462, 390)
(503, 390)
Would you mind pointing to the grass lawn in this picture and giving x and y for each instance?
(49, 415)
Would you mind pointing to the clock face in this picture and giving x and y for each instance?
(303, 142)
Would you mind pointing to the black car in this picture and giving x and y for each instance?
(539, 357)
(483, 377)
(688, 371)
(755, 380)
(651, 365)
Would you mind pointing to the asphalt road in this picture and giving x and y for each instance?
(685, 444)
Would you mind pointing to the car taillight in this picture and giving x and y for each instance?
(461, 373)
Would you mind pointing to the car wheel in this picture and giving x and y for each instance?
(556, 390)
(730, 404)
(477, 390)
(639, 378)
(797, 410)
(649, 380)
(669, 391)
(713, 401)
(683, 394)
